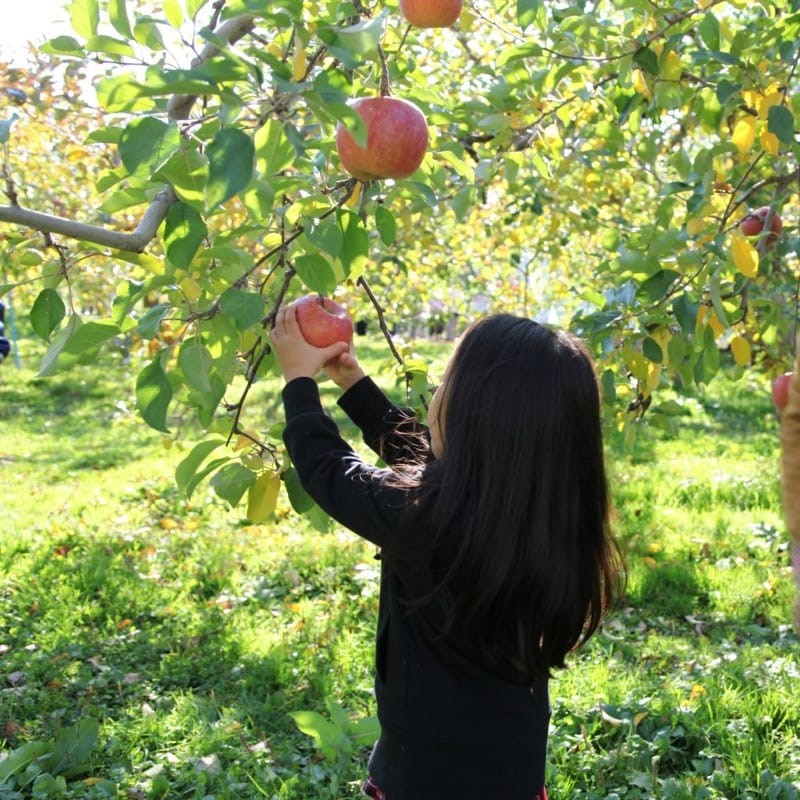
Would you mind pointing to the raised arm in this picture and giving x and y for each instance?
(394, 433)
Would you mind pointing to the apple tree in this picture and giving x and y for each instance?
(588, 163)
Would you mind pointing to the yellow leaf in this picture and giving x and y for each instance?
(771, 98)
(740, 348)
(636, 363)
(355, 196)
(653, 377)
(745, 256)
(77, 154)
(770, 142)
(300, 62)
(263, 497)
(696, 225)
(640, 84)
(671, 68)
(752, 98)
(191, 289)
(744, 134)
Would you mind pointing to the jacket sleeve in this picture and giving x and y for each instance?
(790, 455)
(392, 432)
(354, 493)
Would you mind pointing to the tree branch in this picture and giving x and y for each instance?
(179, 108)
(118, 240)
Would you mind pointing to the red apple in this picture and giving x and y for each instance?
(431, 13)
(322, 321)
(397, 138)
(753, 223)
(780, 390)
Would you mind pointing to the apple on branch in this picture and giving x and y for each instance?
(431, 13)
(396, 142)
(322, 321)
(754, 222)
(780, 390)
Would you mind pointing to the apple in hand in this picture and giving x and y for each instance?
(780, 390)
(397, 139)
(431, 13)
(322, 321)
(753, 223)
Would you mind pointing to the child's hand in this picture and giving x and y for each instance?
(345, 370)
(296, 357)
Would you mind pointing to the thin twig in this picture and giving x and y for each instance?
(381, 312)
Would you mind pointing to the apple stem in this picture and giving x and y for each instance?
(385, 89)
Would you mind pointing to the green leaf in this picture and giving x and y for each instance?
(109, 45)
(230, 157)
(726, 90)
(328, 737)
(300, 499)
(709, 31)
(150, 322)
(781, 122)
(146, 32)
(118, 17)
(73, 746)
(90, 336)
(188, 468)
(365, 731)
(356, 244)
(319, 519)
(243, 308)
(316, 273)
(519, 52)
(153, 395)
(361, 38)
(176, 81)
(63, 45)
(85, 17)
(652, 350)
(5, 128)
(46, 313)
(274, 152)
(232, 481)
(193, 6)
(196, 363)
(121, 93)
(52, 358)
(646, 58)
(18, 760)
(656, 287)
(173, 13)
(685, 310)
(146, 144)
(184, 232)
(386, 225)
(527, 11)
(327, 236)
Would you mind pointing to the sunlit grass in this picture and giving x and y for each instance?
(190, 634)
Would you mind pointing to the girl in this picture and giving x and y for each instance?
(493, 526)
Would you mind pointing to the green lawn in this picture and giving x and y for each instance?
(156, 647)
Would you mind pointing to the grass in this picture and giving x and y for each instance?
(157, 647)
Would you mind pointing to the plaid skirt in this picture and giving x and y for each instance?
(371, 790)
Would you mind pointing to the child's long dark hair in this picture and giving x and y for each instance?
(522, 478)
